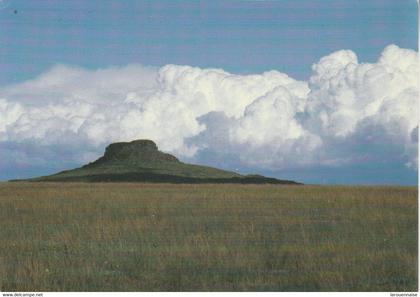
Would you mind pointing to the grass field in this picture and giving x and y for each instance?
(162, 237)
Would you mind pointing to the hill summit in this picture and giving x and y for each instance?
(137, 151)
(141, 161)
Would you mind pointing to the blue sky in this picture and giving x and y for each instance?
(240, 37)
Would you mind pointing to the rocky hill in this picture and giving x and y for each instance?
(141, 161)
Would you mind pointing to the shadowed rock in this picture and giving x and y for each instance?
(134, 152)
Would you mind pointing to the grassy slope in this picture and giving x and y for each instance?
(169, 172)
(134, 237)
(171, 168)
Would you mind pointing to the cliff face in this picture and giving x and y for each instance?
(141, 161)
(134, 152)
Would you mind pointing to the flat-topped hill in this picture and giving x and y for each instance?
(141, 161)
(134, 152)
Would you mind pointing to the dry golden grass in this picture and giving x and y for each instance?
(163, 237)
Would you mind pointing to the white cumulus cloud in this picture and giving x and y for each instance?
(347, 112)
(376, 102)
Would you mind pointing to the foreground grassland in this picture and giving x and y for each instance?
(162, 237)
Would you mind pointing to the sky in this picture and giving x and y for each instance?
(317, 91)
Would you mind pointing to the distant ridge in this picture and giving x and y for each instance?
(141, 161)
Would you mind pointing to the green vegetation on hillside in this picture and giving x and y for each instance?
(166, 237)
(141, 161)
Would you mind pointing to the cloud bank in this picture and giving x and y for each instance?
(346, 113)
